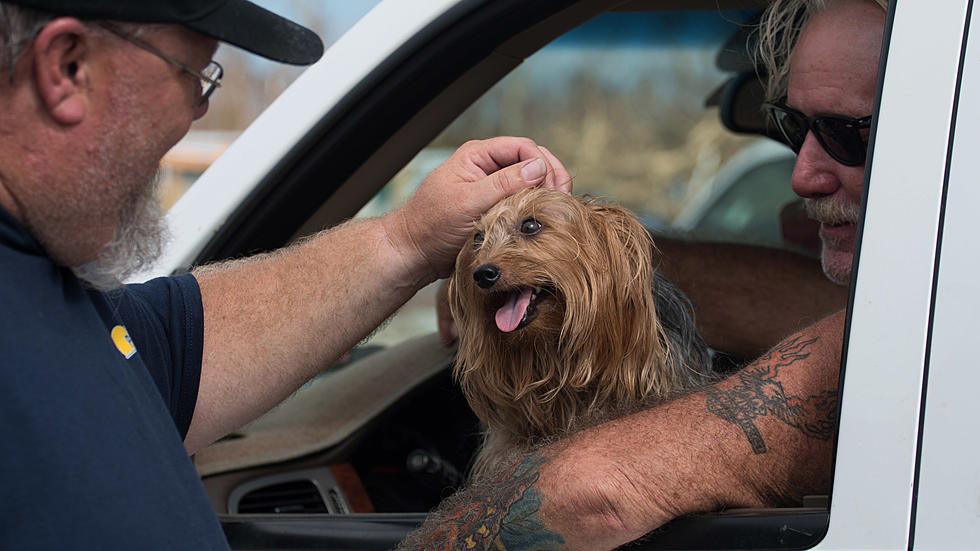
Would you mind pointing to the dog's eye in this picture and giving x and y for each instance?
(478, 239)
(530, 226)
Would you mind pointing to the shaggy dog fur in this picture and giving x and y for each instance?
(563, 321)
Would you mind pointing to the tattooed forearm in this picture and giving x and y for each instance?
(499, 517)
(758, 393)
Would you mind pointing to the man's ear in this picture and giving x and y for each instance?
(62, 52)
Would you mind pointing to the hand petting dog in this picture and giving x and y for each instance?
(473, 179)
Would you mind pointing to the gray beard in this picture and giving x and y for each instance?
(832, 211)
(137, 241)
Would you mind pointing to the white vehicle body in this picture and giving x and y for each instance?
(907, 470)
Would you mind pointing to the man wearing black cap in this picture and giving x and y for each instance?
(102, 390)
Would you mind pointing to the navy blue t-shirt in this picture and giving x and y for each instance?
(96, 394)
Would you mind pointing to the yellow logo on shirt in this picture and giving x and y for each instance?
(122, 340)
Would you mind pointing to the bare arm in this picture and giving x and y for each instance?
(274, 321)
(763, 437)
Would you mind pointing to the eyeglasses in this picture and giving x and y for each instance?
(210, 77)
(843, 138)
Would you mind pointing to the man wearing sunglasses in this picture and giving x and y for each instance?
(762, 437)
(102, 391)
(824, 112)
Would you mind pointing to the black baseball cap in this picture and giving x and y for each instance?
(237, 22)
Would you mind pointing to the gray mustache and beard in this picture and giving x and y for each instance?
(138, 240)
(832, 211)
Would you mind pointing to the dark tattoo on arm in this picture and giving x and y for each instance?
(502, 518)
(759, 393)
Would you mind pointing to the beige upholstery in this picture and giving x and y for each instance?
(330, 408)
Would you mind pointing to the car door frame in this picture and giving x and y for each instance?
(947, 482)
(887, 338)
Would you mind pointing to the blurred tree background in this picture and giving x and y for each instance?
(621, 101)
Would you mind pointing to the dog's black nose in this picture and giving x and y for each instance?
(486, 275)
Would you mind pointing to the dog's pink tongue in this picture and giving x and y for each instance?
(509, 315)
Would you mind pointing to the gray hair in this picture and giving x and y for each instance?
(138, 240)
(19, 26)
(779, 30)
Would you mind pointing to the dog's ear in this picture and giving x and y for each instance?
(628, 243)
(636, 345)
(458, 284)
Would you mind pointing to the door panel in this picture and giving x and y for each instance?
(892, 292)
(948, 499)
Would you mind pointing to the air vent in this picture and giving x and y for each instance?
(291, 493)
(297, 497)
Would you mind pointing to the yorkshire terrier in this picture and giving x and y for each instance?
(564, 322)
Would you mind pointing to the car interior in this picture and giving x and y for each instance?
(355, 458)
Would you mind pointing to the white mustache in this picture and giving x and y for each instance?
(832, 211)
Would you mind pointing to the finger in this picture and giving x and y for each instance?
(521, 175)
(502, 151)
(558, 178)
(490, 190)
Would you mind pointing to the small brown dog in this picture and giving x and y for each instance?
(563, 322)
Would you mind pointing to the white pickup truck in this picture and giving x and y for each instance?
(327, 470)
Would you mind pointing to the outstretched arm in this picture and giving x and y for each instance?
(274, 321)
(762, 437)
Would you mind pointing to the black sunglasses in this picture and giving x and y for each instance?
(843, 138)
